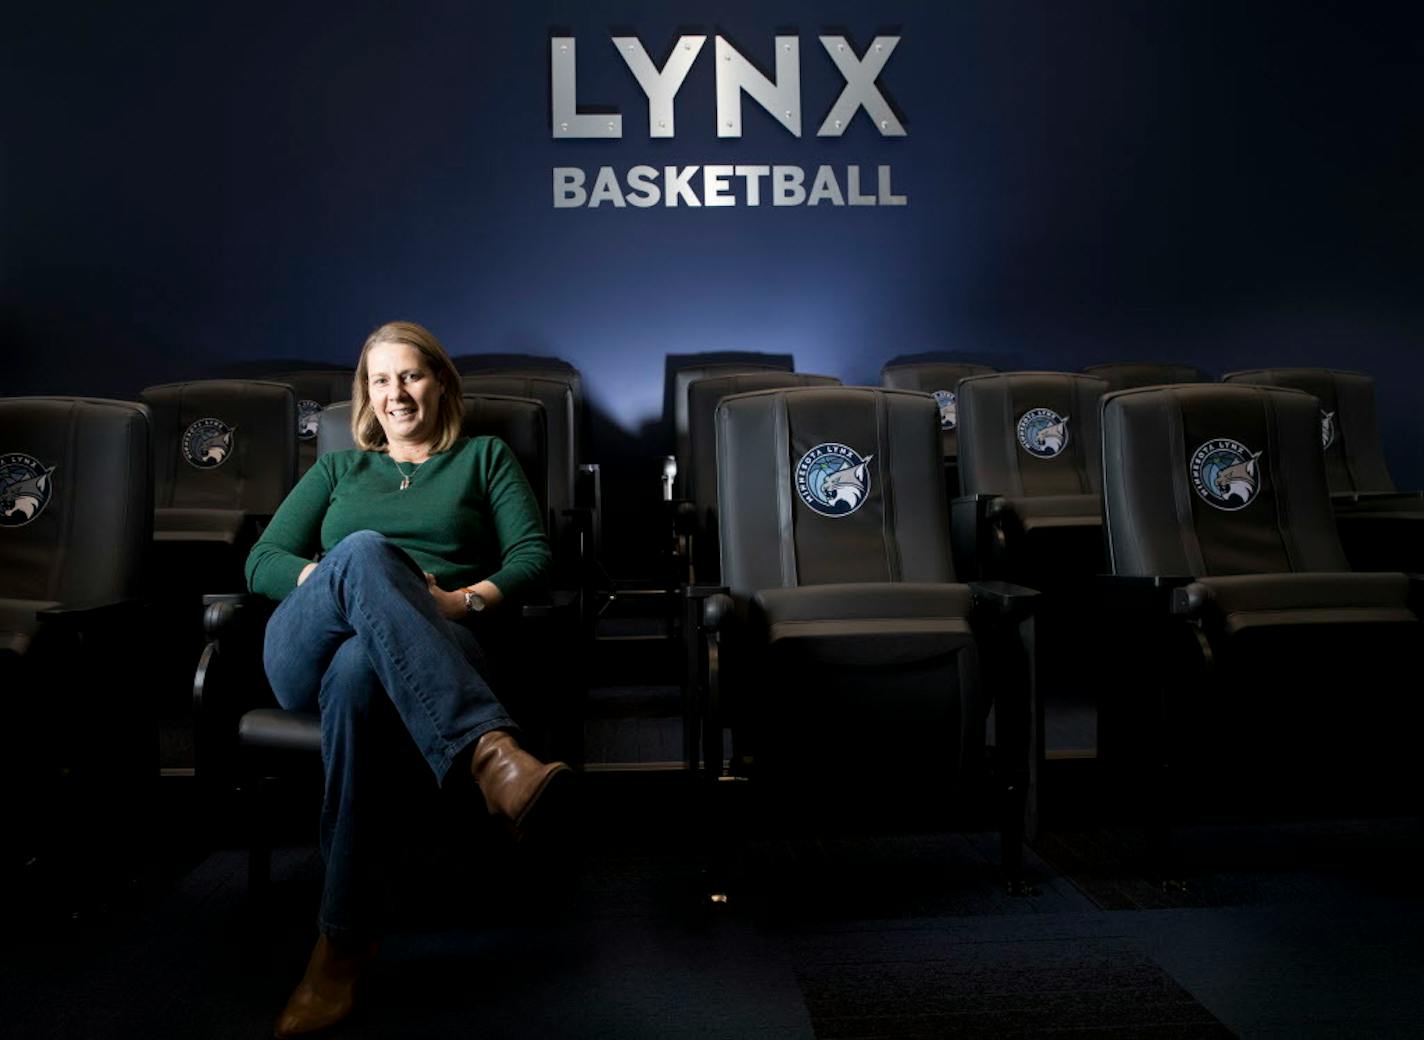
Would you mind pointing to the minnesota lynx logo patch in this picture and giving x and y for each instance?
(208, 443)
(25, 488)
(308, 415)
(1226, 473)
(833, 480)
(948, 409)
(1043, 433)
(1327, 429)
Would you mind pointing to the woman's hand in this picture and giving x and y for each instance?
(450, 604)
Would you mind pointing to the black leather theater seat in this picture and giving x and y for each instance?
(539, 367)
(1264, 668)
(315, 389)
(854, 673)
(78, 744)
(1126, 375)
(1030, 506)
(1381, 527)
(224, 457)
(683, 371)
(939, 379)
(571, 523)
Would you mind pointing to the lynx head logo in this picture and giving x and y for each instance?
(833, 480)
(308, 415)
(948, 409)
(1327, 429)
(1043, 433)
(25, 488)
(1226, 473)
(208, 443)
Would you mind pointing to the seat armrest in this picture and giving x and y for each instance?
(1188, 601)
(229, 680)
(973, 542)
(715, 611)
(1138, 593)
(588, 486)
(1416, 594)
(230, 613)
(705, 607)
(1004, 598)
(709, 604)
(588, 495)
(683, 514)
(558, 603)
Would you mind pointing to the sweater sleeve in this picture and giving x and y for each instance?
(525, 559)
(293, 538)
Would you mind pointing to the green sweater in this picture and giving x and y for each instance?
(468, 514)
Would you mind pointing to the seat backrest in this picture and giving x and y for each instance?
(76, 498)
(939, 379)
(223, 444)
(1125, 375)
(704, 395)
(315, 389)
(1214, 479)
(683, 377)
(830, 484)
(518, 421)
(1025, 434)
(516, 365)
(1354, 457)
(700, 480)
(557, 397)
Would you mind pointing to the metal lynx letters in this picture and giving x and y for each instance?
(725, 184)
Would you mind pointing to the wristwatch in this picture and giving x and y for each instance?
(473, 601)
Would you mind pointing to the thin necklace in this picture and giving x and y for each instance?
(405, 477)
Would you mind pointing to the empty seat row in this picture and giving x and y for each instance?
(1229, 641)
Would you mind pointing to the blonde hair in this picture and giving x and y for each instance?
(366, 428)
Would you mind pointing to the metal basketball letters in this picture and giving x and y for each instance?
(724, 184)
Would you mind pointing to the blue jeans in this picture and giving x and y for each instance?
(359, 637)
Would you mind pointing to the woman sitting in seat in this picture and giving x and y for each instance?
(417, 529)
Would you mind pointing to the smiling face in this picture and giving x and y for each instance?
(405, 395)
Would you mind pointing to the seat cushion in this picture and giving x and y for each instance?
(273, 729)
(19, 618)
(1403, 504)
(864, 624)
(1053, 541)
(1243, 602)
(894, 660)
(198, 525)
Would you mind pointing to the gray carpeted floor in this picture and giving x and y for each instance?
(1293, 931)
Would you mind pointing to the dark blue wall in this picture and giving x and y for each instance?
(187, 186)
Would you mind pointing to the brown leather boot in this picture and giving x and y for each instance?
(515, 784)
(325, 994)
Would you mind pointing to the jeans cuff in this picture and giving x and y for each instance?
(342, 933)
(452, 752)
